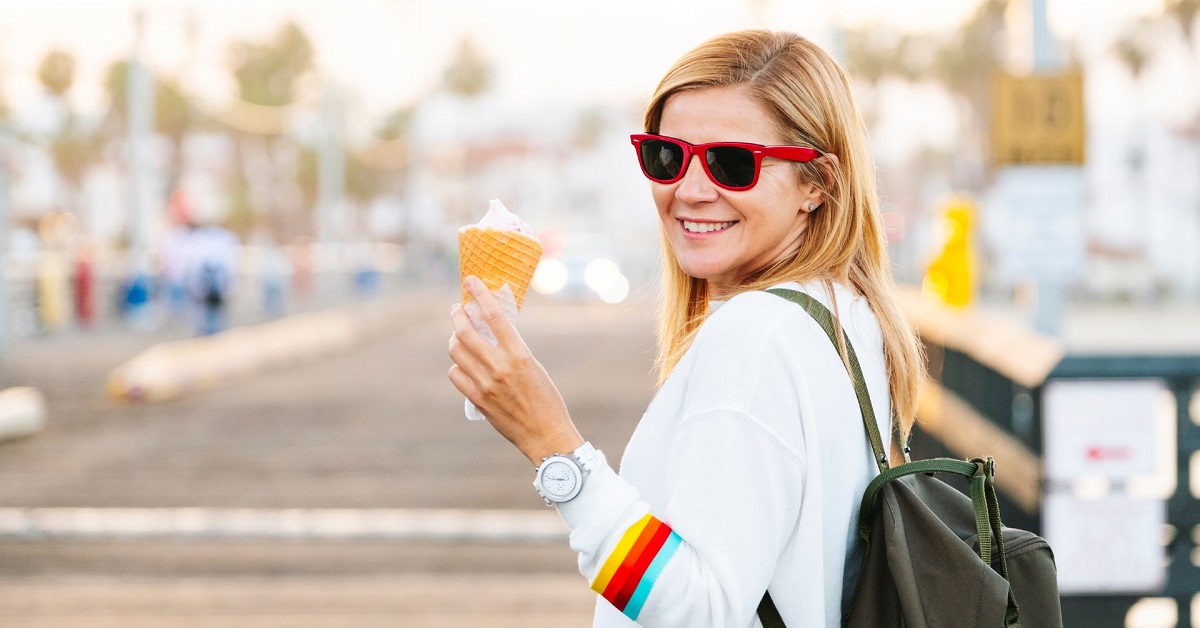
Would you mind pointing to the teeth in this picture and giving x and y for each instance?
(705, 227)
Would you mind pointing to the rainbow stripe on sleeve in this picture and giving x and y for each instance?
(632, 568)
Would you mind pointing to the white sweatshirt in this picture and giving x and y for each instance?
(745, 473)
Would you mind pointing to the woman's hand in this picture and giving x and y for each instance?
(506, 383)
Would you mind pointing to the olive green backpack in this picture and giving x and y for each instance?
(931, 555)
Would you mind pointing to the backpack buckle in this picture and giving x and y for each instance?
(986, 465)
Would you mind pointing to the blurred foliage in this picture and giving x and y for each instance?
(1135, 46)
(469, 73)
(397, 124)
(590, 125)
(874, 53)
(172, 111)
(268, 74)
(74, 146)
(362, 183)
(964, 62)
(974, 54)
(1184, 13)
(56, 72)
(74, 149)
(1141, 41)
(241, 218)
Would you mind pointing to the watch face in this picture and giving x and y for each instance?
(559, 479)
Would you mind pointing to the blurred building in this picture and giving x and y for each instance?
(555, 166)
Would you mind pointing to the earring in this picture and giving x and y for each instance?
(812, 207)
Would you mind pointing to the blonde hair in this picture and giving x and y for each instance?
(809, 97)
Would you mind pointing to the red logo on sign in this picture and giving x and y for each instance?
(1100, 453)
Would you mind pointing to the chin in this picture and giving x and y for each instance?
(700, 271)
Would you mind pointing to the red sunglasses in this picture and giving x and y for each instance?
(730, 165)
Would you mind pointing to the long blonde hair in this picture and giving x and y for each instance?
(810, 98)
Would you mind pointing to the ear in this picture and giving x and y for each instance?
(828, 165)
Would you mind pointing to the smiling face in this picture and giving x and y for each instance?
(717, 234)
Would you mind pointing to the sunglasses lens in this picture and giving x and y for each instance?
(731, 165)
(662, 160)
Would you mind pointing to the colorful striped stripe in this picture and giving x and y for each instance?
(632, 568)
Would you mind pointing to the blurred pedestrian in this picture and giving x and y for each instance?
(303, 262)
(85, 285)
(745, 473)
(273, 271)
(173, 253)
(212, 258)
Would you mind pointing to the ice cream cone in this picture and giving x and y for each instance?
(498, 257)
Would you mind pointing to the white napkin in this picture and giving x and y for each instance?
(508, 302)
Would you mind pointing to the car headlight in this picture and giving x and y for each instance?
(550, 276)
(606, 280)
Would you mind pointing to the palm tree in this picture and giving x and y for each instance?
(1184, 13)
(74, 147)
(469, 73)
(966, 66)
(173, 115)
(269, 75)
(56, 72)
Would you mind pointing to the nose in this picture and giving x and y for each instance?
(696, 187)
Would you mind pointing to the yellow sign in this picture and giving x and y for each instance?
(1038, 119)
(950, 277)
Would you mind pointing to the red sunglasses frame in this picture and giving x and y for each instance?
(791, 153)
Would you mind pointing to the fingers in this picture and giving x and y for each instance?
(492, 312)
(466, 337)
(463, 382)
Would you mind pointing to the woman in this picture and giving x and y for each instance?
(745, 473)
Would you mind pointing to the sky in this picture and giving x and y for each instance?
(387, 52)
(384, 54)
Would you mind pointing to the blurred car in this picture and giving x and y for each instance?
(580, 266)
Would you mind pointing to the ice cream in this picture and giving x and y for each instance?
(500, 250)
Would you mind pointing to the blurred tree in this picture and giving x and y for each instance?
(1135, 46)
(469, 73)
(271, 74)
(363, 182)
(56, 72)
(268, 74)
(397, 124)
(590, 125)
(966, 64)
(173, 114)
(874, 53)
(1184, 13)
(969, 60)
(74, 146)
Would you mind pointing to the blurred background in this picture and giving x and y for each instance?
(228, 235)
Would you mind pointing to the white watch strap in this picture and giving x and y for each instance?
(586, 457)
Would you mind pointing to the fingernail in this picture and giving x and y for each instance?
(474, 284)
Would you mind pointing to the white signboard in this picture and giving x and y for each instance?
(1038, 226)
(1100, 427)
(1106, 545)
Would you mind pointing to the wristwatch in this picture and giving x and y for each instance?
(560, 476)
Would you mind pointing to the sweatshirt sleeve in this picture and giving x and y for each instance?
(707, 559)
(735, 484)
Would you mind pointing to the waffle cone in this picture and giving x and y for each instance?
(498, 257)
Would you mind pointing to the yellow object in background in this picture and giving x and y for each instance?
(52, 297)
(950, 277)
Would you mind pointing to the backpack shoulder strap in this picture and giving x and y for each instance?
(767, 613)
(824, 318)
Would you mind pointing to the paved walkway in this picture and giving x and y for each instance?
(313, 495)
